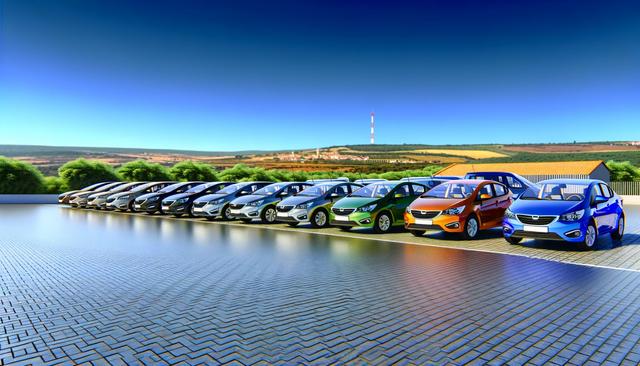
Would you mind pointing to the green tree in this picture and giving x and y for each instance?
(190, 170)
(141, 170)
(19, 177)
(622, 171)
(54, 185)
(80, 173)
(237, 173)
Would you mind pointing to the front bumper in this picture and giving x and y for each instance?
(207, 210)
(296, 215)
(119, 204)
(147, 206)
(558, 230)
(79, 202)
(176, 208)
(247, 212)
(448, 223)
(355, 219)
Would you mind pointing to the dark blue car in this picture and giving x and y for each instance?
(517, 184)
(572, 210)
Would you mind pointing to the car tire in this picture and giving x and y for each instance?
(417, 233)
(130, 206)
(226, 213)
(590, 237)
(619, 232)
(513, 241)
(320, 218)
(383, 223)
(471, 228)
(269, 215)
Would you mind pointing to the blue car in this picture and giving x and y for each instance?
(572, 210)
(517, 184)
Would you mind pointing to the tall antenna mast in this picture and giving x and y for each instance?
(373, 125)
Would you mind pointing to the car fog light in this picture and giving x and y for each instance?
(573, 233)
(506, 229)
(453, 225)
(302, 217)
(365, 221)
(254, 213)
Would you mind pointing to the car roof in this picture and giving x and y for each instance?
(472, 181)
(572, 181)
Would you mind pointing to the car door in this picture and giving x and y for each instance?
(503, 201)
(611, 211)
(488, 205)
(401, 198)
(599, 212)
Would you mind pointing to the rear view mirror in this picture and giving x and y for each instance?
(599, 199)
(485, 196)
(398, 195)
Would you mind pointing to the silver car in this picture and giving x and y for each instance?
(124, 201)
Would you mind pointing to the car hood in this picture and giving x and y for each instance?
(101, 195)
(355, 202)
(253, 197)
(545, 207)
(436, 204)
(297, 200)
(146, 196)
(81, 194)
(69, 193)
(177, 196)
(211, 197)
(118, 195)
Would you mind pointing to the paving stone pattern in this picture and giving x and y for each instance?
(106, 289)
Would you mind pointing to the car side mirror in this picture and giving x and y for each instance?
(283, 194)
(599, 199)
(244, 193)
(485, 196)
(398, 195)
(334, 195)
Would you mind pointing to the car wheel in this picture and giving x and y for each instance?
(130, 206)
(269, 215)
(226, 213)
(471, 228)
(417, 233)
(590, 237)
(383, 223)
(513, 241)
(319, 219)
(619, 232)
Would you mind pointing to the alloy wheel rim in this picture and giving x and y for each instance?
(591, 236)
(472, 227)
(271, 215)
(227, 213)
(321, 218)
(385, 223)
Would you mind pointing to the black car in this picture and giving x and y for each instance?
(152, 202)
(180, 204)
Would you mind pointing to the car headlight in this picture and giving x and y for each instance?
(453, 211)
(367, 208)
(572, 216)
(216, 202)
(255, 203)
(126, 196)
(509, 214)
(181, 200)
(305, 205)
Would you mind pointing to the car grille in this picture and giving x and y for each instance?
(342, 211)
(284, 208)
(199, 204)
(236, 206)
(536, 220)
(167, 203)
(110, 199)
(425, 214)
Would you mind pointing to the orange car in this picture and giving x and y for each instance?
(459, 206)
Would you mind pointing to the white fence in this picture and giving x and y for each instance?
(626, 188)
(540, 177)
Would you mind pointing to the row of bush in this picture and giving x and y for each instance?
(17, 177)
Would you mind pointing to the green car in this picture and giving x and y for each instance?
(379, 206)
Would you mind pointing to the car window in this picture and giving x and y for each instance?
(212, 189)
(513, 183)
(485, 190)
(499, 189)
(402, 190)
(340, 190)
(605, 190)
(417, 189)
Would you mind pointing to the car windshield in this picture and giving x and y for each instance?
(376, 190)
(557, 192)
(317, 190)
(108, 187)
(451, 191)
(171, 188)
(230, 189)
(143, 187)
(124, 187)
(269, 190)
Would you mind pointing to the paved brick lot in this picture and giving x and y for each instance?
(105, 288)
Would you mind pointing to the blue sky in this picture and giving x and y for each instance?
(234, 75)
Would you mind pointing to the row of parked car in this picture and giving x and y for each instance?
(572, 210)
